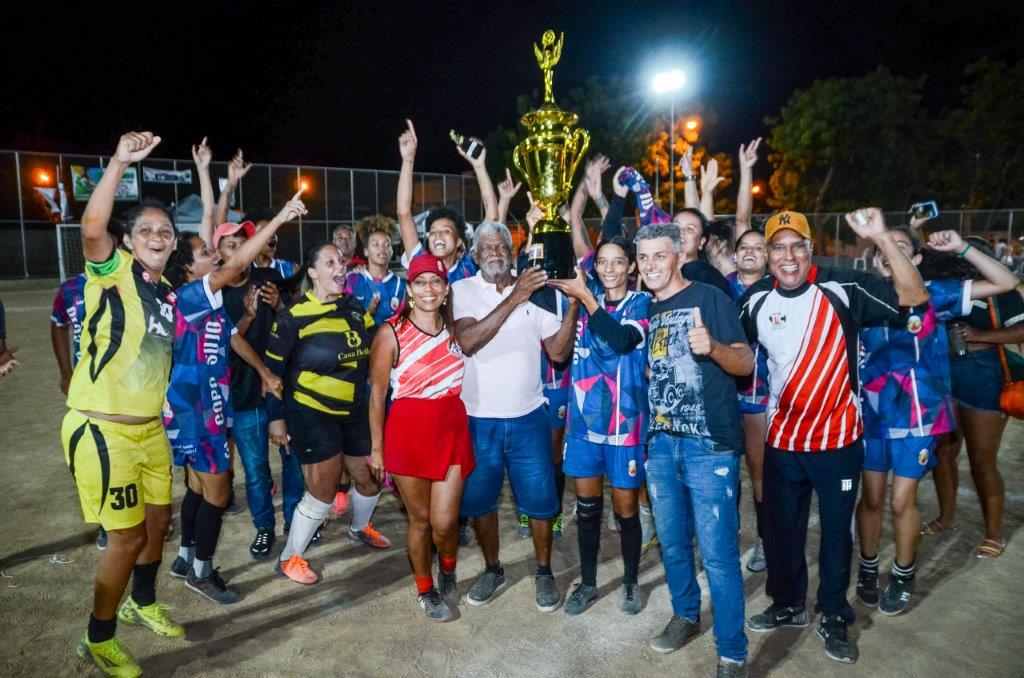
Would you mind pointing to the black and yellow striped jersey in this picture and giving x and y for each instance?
(322, 351)
(126, 340)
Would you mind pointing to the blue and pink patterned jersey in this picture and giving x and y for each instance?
(69, 309)
(391, 288)
(608, 401)
(752, 390)
(197, 404)
(460, 268)
(555, 376)
(905, 388)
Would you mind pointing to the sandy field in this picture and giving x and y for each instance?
(967, 616)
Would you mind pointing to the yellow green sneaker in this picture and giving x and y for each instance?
(110, 657)
(154, 617)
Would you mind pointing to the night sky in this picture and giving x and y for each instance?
(331, 83)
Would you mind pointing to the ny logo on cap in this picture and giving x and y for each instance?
(784, 219)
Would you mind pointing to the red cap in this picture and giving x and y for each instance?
(426, 263)
(230, 228)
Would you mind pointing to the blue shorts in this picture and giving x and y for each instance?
(523, 446)
(206, 455)
(977, 380)
(906, 457)
(558, 402)
(623, 464)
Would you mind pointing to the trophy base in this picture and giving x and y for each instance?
(553, 252)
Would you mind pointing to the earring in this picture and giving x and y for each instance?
(412, 303)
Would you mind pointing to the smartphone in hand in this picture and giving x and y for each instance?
(925, 210)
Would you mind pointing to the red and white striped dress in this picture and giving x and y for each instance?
(427, 430)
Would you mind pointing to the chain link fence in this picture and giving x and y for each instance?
(335, 195)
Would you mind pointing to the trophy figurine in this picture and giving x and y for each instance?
(547, 159)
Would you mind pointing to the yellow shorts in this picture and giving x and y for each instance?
(118, 468)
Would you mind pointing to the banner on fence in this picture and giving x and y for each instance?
(84, 180)
(166, 176)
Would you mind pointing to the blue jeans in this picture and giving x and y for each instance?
(693, 489)
(523, 445)
(249, 430)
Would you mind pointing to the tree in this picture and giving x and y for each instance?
(846, 141)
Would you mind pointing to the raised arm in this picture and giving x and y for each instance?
(507, 190)
(131, 148)
(201, 155)
(383, 354)
(745, 196)
(483, 179)
(869, 223)
(237, 169)
(581, 244)
(689, 179)
(406, 224)
(245, 254)
(996, 277)
(612, 223)
(592, 179)
(709, 181)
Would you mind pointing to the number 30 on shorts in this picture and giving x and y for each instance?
(124, 497)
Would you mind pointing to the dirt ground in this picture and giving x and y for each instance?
(966, 617)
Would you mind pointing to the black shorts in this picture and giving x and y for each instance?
(316, 436)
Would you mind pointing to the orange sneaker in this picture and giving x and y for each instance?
(369, 536)
(341, 505)
(297, 569)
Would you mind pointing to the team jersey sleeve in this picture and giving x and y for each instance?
(873, 299)
(110, 272)
(749, 304)
(407, 257)
(621, 337)
(950, 298)
(282, 340)
(60, 316)
(351, 284)
(548, 322)
(196, 299)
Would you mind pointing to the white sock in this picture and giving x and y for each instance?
(362, 510)
(187, 553)
(308, 515)
(202, 567)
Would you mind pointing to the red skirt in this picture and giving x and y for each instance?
(423, 438)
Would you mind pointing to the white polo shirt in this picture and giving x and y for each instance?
(502, 379)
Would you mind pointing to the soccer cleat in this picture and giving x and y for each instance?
(896, 596)
(110, 657)
(211, 587)
(180, 568)
(548, 596)
(523, 531)
(582, 597)
(774, 617)
(757, 562)
(832, 629)
(631, 599)
(341, 504)
(154, 617)
(557, 530)
(867, 586)
(261, 544)
(297, 569)
(435, 607)
(101, 539)
(485, 588)
(369, 536)
(674, 635)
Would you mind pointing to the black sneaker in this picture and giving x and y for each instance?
(435, 607)
(180, 568)
(261, 545)
(774, 617)
(730, 669)
(483, 591)
(867, 586)
(446, 582)
(580, 599)
(832, 629)
(548, 596)
(675, 634)
(211, 587)
(896, 596)
(232, 509)
(631, 599)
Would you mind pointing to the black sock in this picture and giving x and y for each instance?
(208, 523)
(144, 583)
(588, 524)
(543, 570)
(757, 513)
(869, 564)
(560, 487)
(904, 572)
(631, 538)
(189, 509)
(344, 487)
(102, 629)
(495, 569)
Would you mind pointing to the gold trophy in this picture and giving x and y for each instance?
(547, 159)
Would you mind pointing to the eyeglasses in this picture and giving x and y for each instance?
(799, 247)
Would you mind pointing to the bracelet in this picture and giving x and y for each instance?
(692, 177)
(962, 253)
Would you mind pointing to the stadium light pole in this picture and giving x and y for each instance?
(668, 82)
